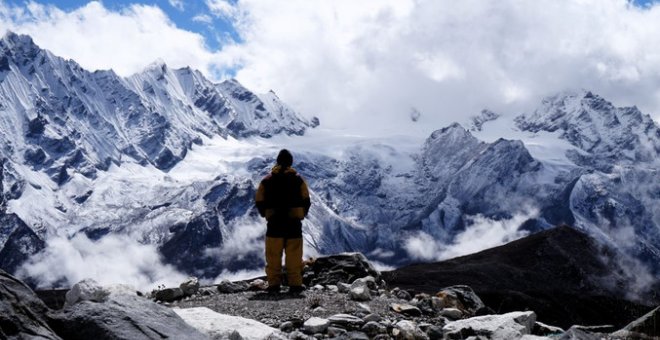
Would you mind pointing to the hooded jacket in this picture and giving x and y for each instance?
(283, 199)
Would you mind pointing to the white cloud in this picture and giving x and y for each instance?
(203, 18)
(366, 63)
(110, 260)
(178, 4)
(98, 38)
(221, 8)
(481, 233)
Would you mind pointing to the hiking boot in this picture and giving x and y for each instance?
(273, 289)
(296, 289)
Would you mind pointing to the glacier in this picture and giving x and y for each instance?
(170, 159)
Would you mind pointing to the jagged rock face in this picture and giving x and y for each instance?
(22, 313)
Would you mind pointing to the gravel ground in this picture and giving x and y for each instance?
(274, 309)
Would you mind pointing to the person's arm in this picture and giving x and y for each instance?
(304, 193)
(260, 199)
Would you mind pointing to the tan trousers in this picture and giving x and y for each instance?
(293, 247)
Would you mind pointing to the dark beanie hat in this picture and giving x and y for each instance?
(284, 158)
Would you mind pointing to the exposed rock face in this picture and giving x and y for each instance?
(22, 313)
(506, 326)
(121, 316)
(86, 290)
(646, 326)
(220, 326)
(346, 268)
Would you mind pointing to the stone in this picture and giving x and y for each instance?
(360, 293)
(287, 326)
(437, 303)
(319, 311)
(85, 290)
(405, 309)
(355, 335)
(505, 326)
(373, 328)
(169, 294)
(228, 287)
(190, 286)
(361, 307)
(647, 325)
(402, 294)
(543, 329)
(345, 267)
(120, 316)
(343, 287)
(372, 317)
(332, 288)
(452, 313)
(258, 284)
(336, 331)
(434, 332)
(316, 325)
(579, 334)
(220, 326)
(298, 335)
(346, 321)
(408, 330)
(463, 298)
(22, 313)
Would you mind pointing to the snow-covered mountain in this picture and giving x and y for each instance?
(170, 159)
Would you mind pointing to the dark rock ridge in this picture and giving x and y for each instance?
(562, 274)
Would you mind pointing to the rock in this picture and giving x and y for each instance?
(373, 328)
(332, 288)
(319, 311)
(543, 329)
(579, 334)
(406, 309)
(451, 313)
(372, 317)
(361, 307)
(360, 293)
(461, 297)
(219, 326)
(169, 294)
(434, 332)
(298, 335)
(647, 325)
(595, 328)
(22, 313)
(258, 284)
(336, 331)
(345, 267)
(228, 287)
(85, 290)
(401, 294)
(505, 326)
(287, 326)
(120, 316)
(318, 287)
(355, 335)
(424, 303)
(190, 286)
(408, 330)
(316, 325)
(437, 303)
(343, 287)
(346, 320)
(534, 337)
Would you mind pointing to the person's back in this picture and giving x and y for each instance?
(283, 199)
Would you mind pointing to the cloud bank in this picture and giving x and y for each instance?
(369, 63)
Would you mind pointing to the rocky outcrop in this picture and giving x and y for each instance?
(221, 326)
(346, 268)
(22, 313)
(506, 326)
(646, 327)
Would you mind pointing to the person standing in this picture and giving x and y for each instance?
(283, 199)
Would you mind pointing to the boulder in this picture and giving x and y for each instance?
(120, 316)
(405, 309)
(505, 326)
(346, 321)
(22, 313)
(373, 328)
(190, 286)
(543, 329)
(228, 287)
(221, 326)
(408, 330)
(169, 294)
(461, 297)
(359, 291)
(315, 325)
(648, 325)
(451, 313)
(258, 284)
(345, 267)
(86, 290)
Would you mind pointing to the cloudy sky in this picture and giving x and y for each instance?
(371, 62)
